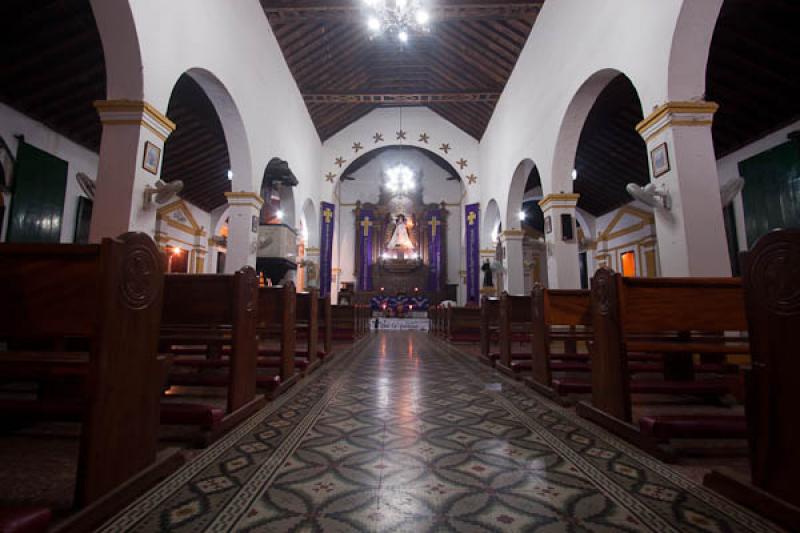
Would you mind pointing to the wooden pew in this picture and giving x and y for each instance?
(217, 313)
(463, 324)
(325, 328)
(307, 328)
(344, 322)
(109, 295)
(771, 283)
(490, 330)
(558, 315)
(277, 312)
(664, 316)
(514, 325)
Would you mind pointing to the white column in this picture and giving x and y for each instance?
(131, 156)
(242, 230)
(513, 261)
(691, 235)
(563, 266)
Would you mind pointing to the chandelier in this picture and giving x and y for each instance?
(397, 18)
(400, 179)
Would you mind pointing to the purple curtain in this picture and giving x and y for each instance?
(365, 230)
(327, 219)
(434, 227)
(472, 214)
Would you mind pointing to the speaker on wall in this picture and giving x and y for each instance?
(566, 227)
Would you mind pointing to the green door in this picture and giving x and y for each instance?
(772, 190)
(37, 204)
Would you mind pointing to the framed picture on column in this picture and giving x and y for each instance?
(659, 159)
(151, 158)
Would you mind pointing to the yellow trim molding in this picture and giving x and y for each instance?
(571, 198)
(676, 114)
(646, 220)
(135, 112)
(193, 228)
(243, 198)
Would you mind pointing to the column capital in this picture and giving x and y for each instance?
(138, 112)
(700, 113)
(244, 199)
(560, 200)
(511, 235)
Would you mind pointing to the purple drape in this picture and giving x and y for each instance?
(365, 230)
(327, 220)
(472, 214)
(434, 227)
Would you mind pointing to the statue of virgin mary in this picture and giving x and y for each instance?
(400, 237)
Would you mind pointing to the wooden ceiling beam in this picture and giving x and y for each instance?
(350, 13)
(396, 99)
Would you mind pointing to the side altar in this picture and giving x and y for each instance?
(401, 244)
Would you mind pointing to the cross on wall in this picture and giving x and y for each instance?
(434, 223)
(366, 224)
(471, 218)
(327, 214)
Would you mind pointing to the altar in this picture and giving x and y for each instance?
(401, 246)
(400, 324)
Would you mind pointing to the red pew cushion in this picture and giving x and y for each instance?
(24, 519)
(665, 427)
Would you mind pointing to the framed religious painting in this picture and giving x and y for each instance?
(151, 158)
(659, 159)
(548, 224)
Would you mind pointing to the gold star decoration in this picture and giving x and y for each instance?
(471, 179)
(462, 163)
(445, 148)
(378, 138)
(423, 138)
(330, 176)
(357, 147)
(401, 135)
(340, 161)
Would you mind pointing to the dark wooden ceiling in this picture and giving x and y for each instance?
(196, 152)
(52, 69)
(52, 66)
(610, 152)
(754, 70)
(458, 69)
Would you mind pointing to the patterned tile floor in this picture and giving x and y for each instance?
(407, 434)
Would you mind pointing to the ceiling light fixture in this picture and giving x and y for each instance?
(398, 18)
(400, 179)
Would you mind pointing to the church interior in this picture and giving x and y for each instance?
(399, 265)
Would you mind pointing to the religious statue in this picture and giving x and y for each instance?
(487, 274)
(311, 273)
(400, 237)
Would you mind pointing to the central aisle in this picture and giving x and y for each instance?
(406, 434)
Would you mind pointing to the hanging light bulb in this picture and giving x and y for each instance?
(574, 174)
(374, 24)
(422, 17)
(522, 215)
(279, 215)
(403, 36)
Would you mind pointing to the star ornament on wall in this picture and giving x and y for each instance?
(462, 163)
(424, 138)
(471, 179)
(378, 138)
(340, 161)
(401, 135)
(357, 147)
(445, 148)
(330, 176)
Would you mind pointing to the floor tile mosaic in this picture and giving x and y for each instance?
(408, 434)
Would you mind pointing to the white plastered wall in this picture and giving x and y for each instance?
(78, 158)
(230, 47)
(562, 53)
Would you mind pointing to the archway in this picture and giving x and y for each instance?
(399, 223)
(492, 225)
